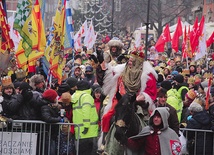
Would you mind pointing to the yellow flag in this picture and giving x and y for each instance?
(54, 53)
(35, 29)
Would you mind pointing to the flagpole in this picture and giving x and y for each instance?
(147, 29)
(112, 19)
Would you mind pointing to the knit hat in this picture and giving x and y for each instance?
(83, 85)
(24, 86)
(174, 73)
(50, 95)
(65, 98)
(191, 94)
(64, 87)
(89, 69)
(179, 78)
(71, 81)
(195, 107)
(166, 85)
(17, 84)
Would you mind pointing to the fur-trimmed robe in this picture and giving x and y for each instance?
(112, 81)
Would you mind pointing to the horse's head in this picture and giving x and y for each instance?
(124, 113)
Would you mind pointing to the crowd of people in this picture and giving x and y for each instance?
(172, 92)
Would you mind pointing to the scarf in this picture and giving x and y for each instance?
(132, 77)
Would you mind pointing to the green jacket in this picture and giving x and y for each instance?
(84, 114)
(176, 102)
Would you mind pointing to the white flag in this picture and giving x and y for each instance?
(202, 47)
(77, 40)
(89, 34)
(138, 39)
(84, 28)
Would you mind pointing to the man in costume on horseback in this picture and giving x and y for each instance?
(135, 77)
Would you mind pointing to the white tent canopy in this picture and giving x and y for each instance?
(173, 27)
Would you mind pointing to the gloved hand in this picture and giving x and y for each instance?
(85, 131)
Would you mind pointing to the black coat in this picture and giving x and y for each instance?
(200, 120)
(50, 114)
(5, 106)
(27, 109)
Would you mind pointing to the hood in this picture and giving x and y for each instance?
(75, 97)
(164, 112)
(202, 117)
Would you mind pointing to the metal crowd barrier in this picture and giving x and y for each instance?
(198, 142)
(28, 137)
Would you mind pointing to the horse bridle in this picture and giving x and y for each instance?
(121, 124)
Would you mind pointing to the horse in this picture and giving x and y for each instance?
(126, 121)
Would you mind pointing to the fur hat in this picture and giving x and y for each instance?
(65, 98)
(195, 107)
(115, 42)
(36, 79)
(191, 94)
(71, 81)
(50, 95)
(83, 85)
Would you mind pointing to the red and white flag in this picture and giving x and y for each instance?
(164, 37)
(77, 40)
(202, 46)
(84, 28)
(210, 40)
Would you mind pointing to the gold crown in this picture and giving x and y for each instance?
(207, 75)
(191, 80)
(186, 72)
(177, 59)
(20, 74)
(169, 68)
(211, 63)
(163, 65)
(6, 81)
(192, 63)
(198, 100)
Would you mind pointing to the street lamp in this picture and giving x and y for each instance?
(147, 29)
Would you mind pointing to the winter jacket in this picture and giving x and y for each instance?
(174, 100)
(200, 120)
(27, 109)
(50, 114)
(84, 114)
